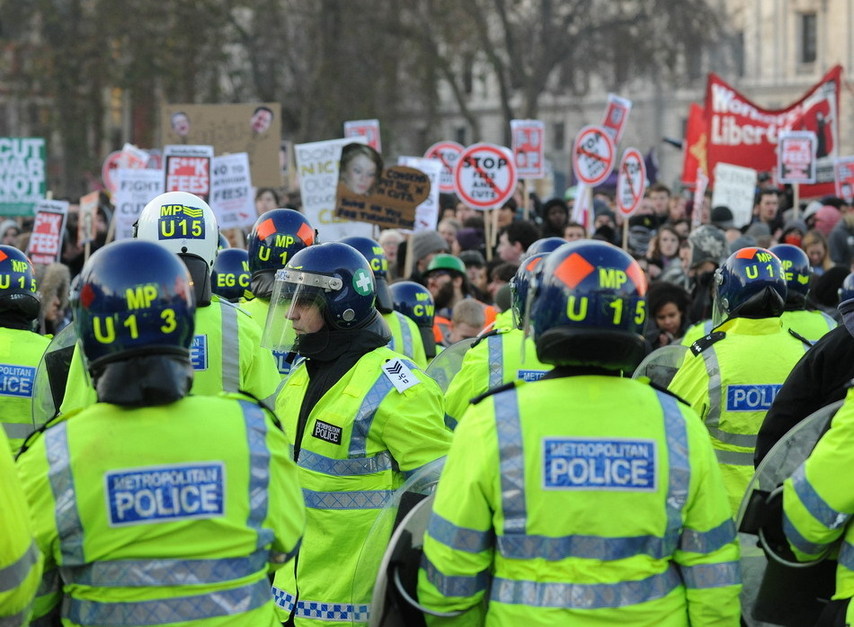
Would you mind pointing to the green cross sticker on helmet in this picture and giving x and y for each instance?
(363, 283)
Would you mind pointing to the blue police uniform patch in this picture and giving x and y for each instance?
(17, 380)
(282, 363)
(530, 375)
(751, 397)
(165, 493)
(594, 464)
(199, 352)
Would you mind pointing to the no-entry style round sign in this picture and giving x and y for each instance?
(485, 176)
(631, 181)
(448, 153)
(593, 155)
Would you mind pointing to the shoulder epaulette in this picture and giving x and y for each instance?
(800, 337)
(484, 336)
(491, 391)
(704, 342)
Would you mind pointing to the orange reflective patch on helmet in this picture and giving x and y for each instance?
(306, 234)
(266, 229)
(574, 270)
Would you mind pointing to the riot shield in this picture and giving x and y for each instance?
(661, 365)
(776, 590)
(447, 364)
(406, 512)
(52, 375)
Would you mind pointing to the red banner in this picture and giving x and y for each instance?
(695, 145)
(742, 133)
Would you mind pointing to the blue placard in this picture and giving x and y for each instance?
(17, 380)
(199, 352)
(530, 375)
(751, 397)
(164, 493)
(594, 464)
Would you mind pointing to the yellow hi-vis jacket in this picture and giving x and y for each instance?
(811, 325)
(818, 501)
(20, 558)
(20, 353)
(361, 439)
(585, 500)
(730, 379)
(226, 355)
(495, 359)
(405, 337)
(168, 514)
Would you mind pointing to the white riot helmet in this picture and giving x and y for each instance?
(186, 225)
(182, 222)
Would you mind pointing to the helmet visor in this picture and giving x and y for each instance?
(297, 308)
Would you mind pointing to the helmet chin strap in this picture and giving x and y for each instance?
(200, 273)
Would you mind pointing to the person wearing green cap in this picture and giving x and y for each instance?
(448, 283)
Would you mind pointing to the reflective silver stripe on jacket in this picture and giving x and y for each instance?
(734, 458)
(68, 525)
(259, 469)
(358, 499)
(18, 618)
(230, 347)
(459, 538)
(169, 610)
(801, 543)
(710, 575)
(679, 468)
(494, 345)
(584, 596)
(165, 572)
(17, 430)
(815, 504)
(284, 599)
(405, 336)
(333, 612)
(846, 555)
(512, 461)
(709, 541)
(345, 467)
(455, 585)
(14, 574)
(713, 418)
(365, 416)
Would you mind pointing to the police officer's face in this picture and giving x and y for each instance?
(305, 318)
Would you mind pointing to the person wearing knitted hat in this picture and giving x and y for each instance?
(423, 246)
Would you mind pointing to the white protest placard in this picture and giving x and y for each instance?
(593, 155)
(735, 187)
(188, 169)
(447, 152)
(231, 191)
(528, 139)
(699, 195)
(796, 156)
(86, 217)
(485, 176)
(616, 115)
(631, 181)
(46, 239)
(317, 169)
(134, 190)
(369, 129)
(427, 213)
(843, 174)
(23, 181)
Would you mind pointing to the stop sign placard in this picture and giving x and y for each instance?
(593, 155)
(448, 153)
(485, 176)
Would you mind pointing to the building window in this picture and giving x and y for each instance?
(809, 27)
(559, 136)
(460, 135)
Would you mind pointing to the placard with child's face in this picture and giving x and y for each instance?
(368, 193)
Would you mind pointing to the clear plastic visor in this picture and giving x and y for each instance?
(297, 307)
